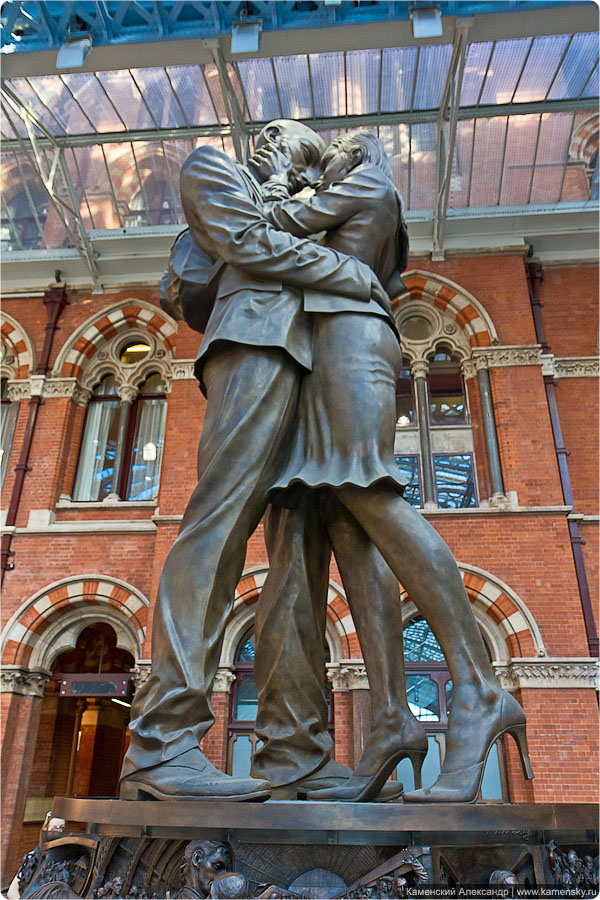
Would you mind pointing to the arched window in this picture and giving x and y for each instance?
(429, 692)
(8, 421)
(445, 387)
(244, 706)
(121, 450)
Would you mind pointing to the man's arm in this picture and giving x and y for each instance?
(216, 204)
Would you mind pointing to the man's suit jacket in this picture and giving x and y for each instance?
(259, 299)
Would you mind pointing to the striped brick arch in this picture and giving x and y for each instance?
(18, 357)
(52, 620)
(502, 614)
(85, 343)
(584, 142)
(453, 300)
(341, 628)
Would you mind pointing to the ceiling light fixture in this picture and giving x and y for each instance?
(73, 52)
(426, 21)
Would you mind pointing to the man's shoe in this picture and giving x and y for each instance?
(332, 776)
(191, 776)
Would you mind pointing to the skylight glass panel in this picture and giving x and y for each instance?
(211, 77)
(30, 99)
(521, 141)
(461, 164)
(94, 174)
(234, 79)
(294, 86)
(423, 151)
(396, 140)
(158, 94)
(504, 70)
(432, 71)
(127, 100)
(476, 63)
(190, 87)
(57, 97)
(540, 68)
(329, 83)
(591, 88)
(259, 87)
(362, 72)
(575, 67)
(487, 160)
(12, 123)
(78, 186)
(397, 78)
(551, 159)
(89, 94)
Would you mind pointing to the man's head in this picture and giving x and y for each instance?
(351, 150)
(203, 861)
(299, 143)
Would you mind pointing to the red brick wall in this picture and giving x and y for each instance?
(570, 310)
(577, 401)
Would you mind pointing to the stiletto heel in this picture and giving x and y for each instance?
(519, 735)
(417, 758)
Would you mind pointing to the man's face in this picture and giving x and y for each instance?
(293, 144)
(335, 163)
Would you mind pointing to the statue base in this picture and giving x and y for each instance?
(304, 849)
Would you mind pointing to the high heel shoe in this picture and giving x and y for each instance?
(462, 784)
(389, 748)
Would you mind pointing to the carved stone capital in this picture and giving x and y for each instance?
(419, 369)
(348, 675)
(19, 680)
(223, 680)
(127, 393)
(19, 389)
(183, 369)
(486, 357)
(468, 369)
(68, 388)
(577, 367)
(141, 671)
(577, 672)
(37, 385)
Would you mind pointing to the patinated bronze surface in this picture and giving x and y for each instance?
(299, 364)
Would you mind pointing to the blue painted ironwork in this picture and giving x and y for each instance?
(29, 25)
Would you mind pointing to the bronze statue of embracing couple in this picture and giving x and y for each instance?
(299, 363)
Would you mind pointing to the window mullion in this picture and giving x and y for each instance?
(129, 406)
(419, 373)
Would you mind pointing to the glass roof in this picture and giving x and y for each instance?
(124, 173)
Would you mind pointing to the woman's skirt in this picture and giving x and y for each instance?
(346, 409)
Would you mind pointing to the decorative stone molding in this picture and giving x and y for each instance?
(348, 675)
(508, 355)
(578, 672)
(19, 680)
(183, 369)
(577, 367)
(68, 388)
(223, 680)
(19, 390)
(127, 393)
(468, 369)
(141, 671)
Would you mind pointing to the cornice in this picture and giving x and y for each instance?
(141, 671)
(223, 680)
(576, 366)
(183, 369)
(19, 680)
(575, 672)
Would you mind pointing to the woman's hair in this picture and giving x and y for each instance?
(371, 147)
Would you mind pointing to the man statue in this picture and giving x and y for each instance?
(256, 348)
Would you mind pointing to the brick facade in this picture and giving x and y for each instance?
(526, 548)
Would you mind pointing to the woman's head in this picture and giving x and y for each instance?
(351, 150)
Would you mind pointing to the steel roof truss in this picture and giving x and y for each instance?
(239, 132)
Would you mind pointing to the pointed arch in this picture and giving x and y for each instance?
(53, 618)
(124, 318)
(18, 354)
(469, 313)
(502, 615)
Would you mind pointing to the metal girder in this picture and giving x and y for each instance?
(237, 120)
(319, 124)
(48, 177)
(449, 108)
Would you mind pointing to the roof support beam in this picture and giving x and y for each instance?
(446, 133)
(319, 124)
(239, 132)
(48, 176)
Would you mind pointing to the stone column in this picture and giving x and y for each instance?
(419, 371)
(127, 395)
(352, 709)
(214, 745)
(489, 429)
(22, 692)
